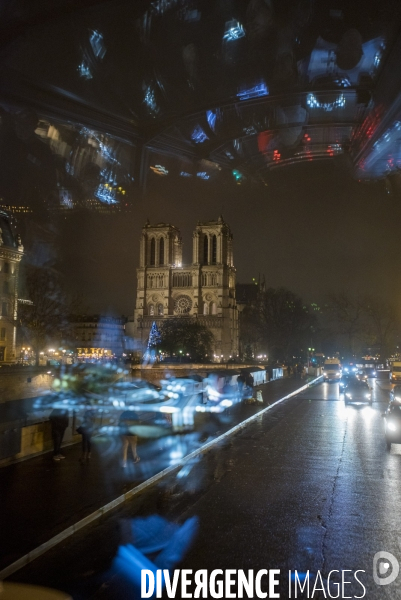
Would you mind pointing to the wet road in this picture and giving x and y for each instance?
(308, 485)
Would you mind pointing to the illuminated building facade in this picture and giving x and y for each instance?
(204, 289)
(99, 336)
(11, 253)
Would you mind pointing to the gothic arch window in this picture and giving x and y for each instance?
(213, 308)
(161, 281)
(214, 250)
(205, 308)
(152, 252)
(204, 279)
(160, 310)
(151, 309)
(205, 250)
(6, 268)
(161, 251)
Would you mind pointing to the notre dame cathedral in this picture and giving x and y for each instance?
(204, 290)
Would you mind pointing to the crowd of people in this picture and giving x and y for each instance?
(59, 421)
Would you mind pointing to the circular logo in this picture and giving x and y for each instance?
(182, 305)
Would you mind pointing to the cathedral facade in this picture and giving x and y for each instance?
(204, 290)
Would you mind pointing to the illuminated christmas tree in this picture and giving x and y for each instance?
(153, 341)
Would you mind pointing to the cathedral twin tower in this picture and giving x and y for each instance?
(204, 290)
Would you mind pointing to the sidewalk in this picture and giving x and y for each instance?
(40, 498)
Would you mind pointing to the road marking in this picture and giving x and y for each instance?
(27, 558)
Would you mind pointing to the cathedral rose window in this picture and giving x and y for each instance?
(182, 305)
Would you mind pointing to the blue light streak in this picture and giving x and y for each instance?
(96, 41)
(234, 31)
(106, 195)
(198, 135)
(203, 175)
(256, 91)
(343, 82)
(313, 102)
(84, 71)
(185, 174)
(150, 100)
(211, 119)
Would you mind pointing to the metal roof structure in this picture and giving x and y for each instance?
(109, 93)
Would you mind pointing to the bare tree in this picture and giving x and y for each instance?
(383, 323)
(46, 318)
(286, 322)
(347, 318)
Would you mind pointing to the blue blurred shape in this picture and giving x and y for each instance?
(130, 562)
(198, 135)
(211, 119)
(152, 534)
(234, 31)
(178, 545)
(256, 91)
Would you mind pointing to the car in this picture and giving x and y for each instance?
(395, 394)
(392, 418)
(366, 373)
(358, 391)
(345, 381)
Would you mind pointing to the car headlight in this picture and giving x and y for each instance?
(368, 395)
(392, 426)
(348, 395)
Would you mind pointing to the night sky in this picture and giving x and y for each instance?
(313, 230)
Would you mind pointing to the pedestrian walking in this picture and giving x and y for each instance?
(240, 383)
(128, 419)
(59, 422)
(86, 430)
(249, 380)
